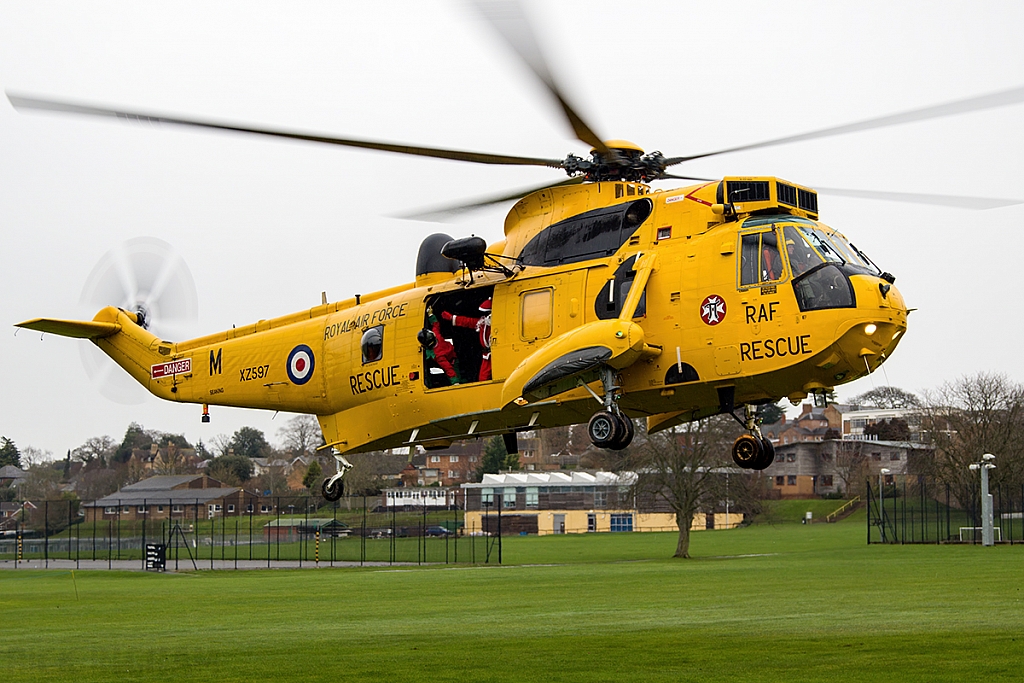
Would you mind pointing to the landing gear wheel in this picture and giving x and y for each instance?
(628, 431)
(767, 454)
(605, 428)
(332, 489)
(747, 451)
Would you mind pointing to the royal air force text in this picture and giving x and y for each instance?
(361, 322)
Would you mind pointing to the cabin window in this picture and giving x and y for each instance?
(760, 260)
(372, 344)
(590, 235)
(535, 314)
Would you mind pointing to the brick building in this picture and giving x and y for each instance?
(185, 497)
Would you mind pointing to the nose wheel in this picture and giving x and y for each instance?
(753, 451)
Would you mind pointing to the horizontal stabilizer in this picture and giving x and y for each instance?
(79, 329)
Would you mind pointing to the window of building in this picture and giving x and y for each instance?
(265, 508)
(177, 508)
(894, 456)
(248, 508)
(622, 522)
(110, 510)
(231, 508)
(472, 458)
(780, 480)
(532, 496)
(791, 480)
(435, 458)
(889, 479)
(159, 508)
(487, 497)
(452, 474)
(142, 509)
(508, 499)
(591, 522)
(791, 457)
(453, 458)
(877, 457)
(600, 499)
(826, 480)
(126, 509)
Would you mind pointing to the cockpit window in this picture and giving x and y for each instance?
(759, 258)
(802, 256)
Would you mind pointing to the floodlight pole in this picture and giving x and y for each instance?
(987, 522)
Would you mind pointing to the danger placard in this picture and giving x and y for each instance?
(174, 367)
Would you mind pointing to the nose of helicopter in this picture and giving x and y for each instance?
(866, 336)
(878, 324)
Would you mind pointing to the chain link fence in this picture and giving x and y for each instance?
(271, 532)
(923, 511)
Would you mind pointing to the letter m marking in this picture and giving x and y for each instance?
(215, 365)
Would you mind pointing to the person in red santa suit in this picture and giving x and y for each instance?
(439, 349)
(482, 325)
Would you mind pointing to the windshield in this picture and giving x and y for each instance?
(811, 243)
(849, 252)
(802, 255)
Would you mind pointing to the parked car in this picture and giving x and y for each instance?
(437, 531)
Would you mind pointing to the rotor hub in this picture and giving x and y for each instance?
(623, 160)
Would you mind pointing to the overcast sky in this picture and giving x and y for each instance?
(265, 226)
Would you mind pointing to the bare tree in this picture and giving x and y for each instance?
(301, 435)
(30, 455)
(971, 416)
(685, 468)
(887, 397)
(96, 448)
(851, 464)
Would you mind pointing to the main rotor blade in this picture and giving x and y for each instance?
(26, 102)
(1002, 98)
(442, 214)
(956, 201)
(509, 20)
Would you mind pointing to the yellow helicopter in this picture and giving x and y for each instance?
(606, 301)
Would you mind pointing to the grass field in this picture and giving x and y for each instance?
(783, 602)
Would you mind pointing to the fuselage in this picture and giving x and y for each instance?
(746, 302)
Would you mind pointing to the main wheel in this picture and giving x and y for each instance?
(767, 455)
(626, 437)
(332, 492)
(747, 451)
(605, 428)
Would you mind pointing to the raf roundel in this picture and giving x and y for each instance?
(300, 364)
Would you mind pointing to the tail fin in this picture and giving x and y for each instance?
(117, 333)
(79, 329)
